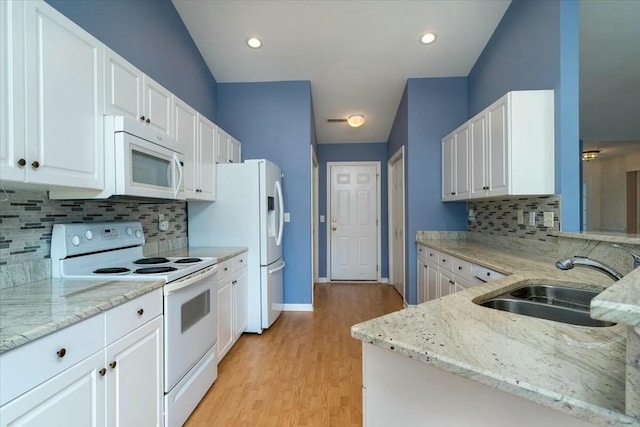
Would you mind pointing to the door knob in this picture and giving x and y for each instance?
(334, 220)
(334, 228)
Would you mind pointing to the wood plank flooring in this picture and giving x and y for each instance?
(305, 370)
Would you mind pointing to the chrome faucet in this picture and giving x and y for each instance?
(569, 263)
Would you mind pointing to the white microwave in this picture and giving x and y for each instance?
(138, 163)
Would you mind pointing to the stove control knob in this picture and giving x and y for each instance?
(88, 234)
(129, 231)
(75, 240)
(138, 234)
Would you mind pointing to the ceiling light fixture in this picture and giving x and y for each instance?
(428, 38)
(254, 42)
(355, 120)
(590, 155)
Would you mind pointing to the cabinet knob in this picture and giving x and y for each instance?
(112, 365)
(234, 282)
(453, 193)
(444, 260)
(35, 164)
(148, 121)
(142, 118)
(102, 372)
(459, 268)
(22, 162)
(140, 312)
(62, 352)
(241, 260)
(451, 282)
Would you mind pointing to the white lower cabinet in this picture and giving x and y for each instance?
(232, 302)
(119, 384)
(440, 274)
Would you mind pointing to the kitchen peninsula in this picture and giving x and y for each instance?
(454, 362)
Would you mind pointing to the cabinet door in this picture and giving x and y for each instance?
(448, 185)
(461, 163)
(432, 284)
(498, 147)
(158, 106)
(421, 283)
(207, 183)
(122, 86)
(460, 284)
(225, 318)
(187, 134)
(222, 146)
(74, 398)
(478, 154)
(12, 144)
(64, 87)
(445, 282)
(235, 149)
(135, 377)
(240, 302)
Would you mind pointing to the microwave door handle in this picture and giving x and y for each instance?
(281, 220)
(176, 162)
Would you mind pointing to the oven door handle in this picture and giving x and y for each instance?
(173, 287)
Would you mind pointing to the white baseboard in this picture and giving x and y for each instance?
(297, 307)
(323, 280)
(383, 280)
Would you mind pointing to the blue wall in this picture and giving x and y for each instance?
(535, 46)
(375, 152)
(152, 36)
(435, 106)
(273, 121)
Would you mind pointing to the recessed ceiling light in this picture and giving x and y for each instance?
(428, 38)
(355, 120)
(254, 42)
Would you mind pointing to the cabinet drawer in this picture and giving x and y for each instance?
(239, 261)
(225, 268)
(132, 314)
(432, 255)
(25, 367)
(422, 253)
(462, 268)
(445, 261)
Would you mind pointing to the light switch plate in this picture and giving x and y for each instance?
(321, 218)
(520, 216)
(532, 218)
(548, 219)
(287, 216)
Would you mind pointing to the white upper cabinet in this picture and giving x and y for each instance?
(455, 164)
(207, 159)
(228, 149)
(511, 146)
(54, 104)
(129, 92)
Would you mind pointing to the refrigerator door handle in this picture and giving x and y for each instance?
(278, 268)
(281, 204)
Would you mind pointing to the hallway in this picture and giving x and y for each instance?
(303, 371)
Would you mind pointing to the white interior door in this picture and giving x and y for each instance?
(396, 218)
(353, 230)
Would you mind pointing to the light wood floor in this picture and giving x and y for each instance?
(305, 370)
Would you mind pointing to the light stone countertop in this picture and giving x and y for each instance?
(620, 302)
(574, 369)
(36, 309)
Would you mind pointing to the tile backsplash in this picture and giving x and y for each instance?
(500, 217)
(27, 218)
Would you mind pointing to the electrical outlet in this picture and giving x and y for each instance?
(163, 225)
(548, 219)
(532, 218)
(472, 215)
(520, 216)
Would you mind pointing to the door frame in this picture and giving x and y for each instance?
(398, 156)
(315, 226)
(378, 220)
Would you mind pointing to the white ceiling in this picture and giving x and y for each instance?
(357, 54)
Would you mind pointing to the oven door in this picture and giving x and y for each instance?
(146, 169)
(191, 323)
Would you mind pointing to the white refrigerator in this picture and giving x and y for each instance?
(248, 211)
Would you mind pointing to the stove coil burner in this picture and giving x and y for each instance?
(112, 270)
(152, 270)
(152, 260)
(187, 260)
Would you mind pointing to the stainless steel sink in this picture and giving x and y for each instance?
(551, 302)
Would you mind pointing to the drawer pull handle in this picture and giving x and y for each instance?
(140, 312)
(62, 352)
(102, 372)
(113, 364)
(459, 268)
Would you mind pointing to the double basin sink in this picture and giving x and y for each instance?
(548, 301)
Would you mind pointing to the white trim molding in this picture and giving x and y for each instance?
(323, 280)
(297, 307)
